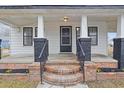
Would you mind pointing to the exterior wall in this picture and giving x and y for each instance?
(112, 26)
(53, 35)
(101, 48)
(16, 45)
(52, 32)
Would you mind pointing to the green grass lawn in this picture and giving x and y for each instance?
(18, 84)
(106, 84)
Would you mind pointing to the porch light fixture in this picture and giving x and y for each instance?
(65, 19)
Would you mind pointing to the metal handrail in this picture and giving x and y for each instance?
(41, 53)
(82, 66)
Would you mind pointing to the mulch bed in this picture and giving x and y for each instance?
(17, 84)
(106, 84)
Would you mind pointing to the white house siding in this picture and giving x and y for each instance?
(112, 26)
(16, 45)
(53, 35)
(101, 48)
(52, 32)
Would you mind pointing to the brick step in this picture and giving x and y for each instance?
(63, 69)
(68, 61)
(64, 80)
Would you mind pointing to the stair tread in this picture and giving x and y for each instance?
(62, 72)
(65, 80)
(62, 69)
(62, 61)
(62, 78)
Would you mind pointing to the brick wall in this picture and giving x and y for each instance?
(91, 74)
(13, 66)
(110, 75)
(106, 64)
(33, 75)
(106, 75)
(90, 71)
(34, 72)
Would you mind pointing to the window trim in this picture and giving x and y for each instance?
(36, 32)
(88, 34)
(76, 32)
(94, 35)
(28, 36)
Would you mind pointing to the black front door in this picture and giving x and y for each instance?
(65, 39)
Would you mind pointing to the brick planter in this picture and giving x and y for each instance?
(33, 75)
(110, 75)
(120, 75)
(90, 71)
(106, 75)
(13, 66)
(34, 72)
(106, 64)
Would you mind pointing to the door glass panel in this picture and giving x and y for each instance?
(65, 36)
(65, 40)
(65, 31)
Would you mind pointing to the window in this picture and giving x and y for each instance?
(93, 34)
(27, 36)
(36, 31)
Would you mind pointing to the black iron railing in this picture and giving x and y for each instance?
(43, 58)
(81, 57)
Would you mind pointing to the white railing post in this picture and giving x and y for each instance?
(83, 32)
(40, 27)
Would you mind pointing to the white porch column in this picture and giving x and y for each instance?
(83, 31)
(120, 26)
(40, 27)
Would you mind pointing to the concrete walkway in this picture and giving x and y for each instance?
(46, 85)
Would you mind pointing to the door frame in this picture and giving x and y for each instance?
(71, 38)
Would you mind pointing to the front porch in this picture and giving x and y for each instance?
(24, 28)
(62, 36)
(99, 59)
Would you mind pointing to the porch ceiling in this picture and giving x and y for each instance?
(21, 20)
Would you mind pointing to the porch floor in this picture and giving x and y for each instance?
(61, 56)
(102, 58)
(20, 60)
